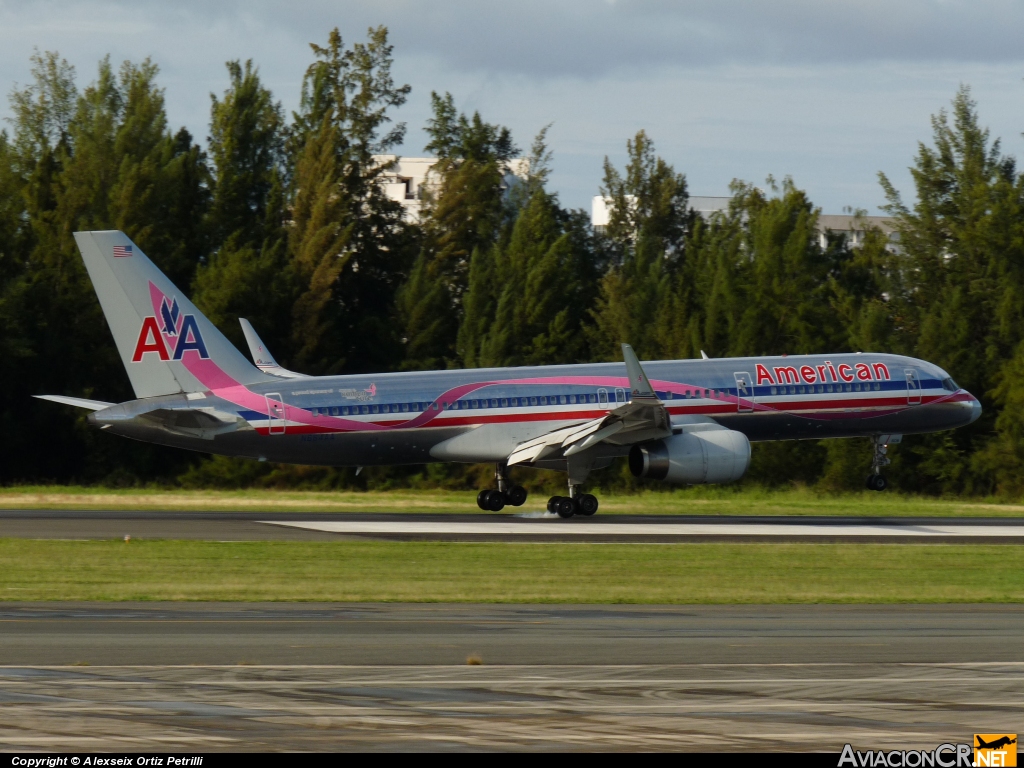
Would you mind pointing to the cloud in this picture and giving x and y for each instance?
(828, 92)
(591, 38)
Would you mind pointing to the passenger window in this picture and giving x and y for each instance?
(878, 386)
(602, 396)
(572, 399)
(849, 388)
(533, 401)
(707, 393)
(775, 390)
(829, 387)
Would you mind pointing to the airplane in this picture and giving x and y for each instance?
(680, 421)
(1002, 741)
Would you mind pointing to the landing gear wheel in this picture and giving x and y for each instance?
(495, 501)
(587, 504)
(482, 500)
(516, 496)
(565, 507)
(877, 483)
(553, 504)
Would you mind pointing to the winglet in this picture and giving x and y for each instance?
(261, 355)
(638, 382)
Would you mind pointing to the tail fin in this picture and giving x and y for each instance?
(166, 344)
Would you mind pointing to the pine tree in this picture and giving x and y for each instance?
(348, 243)
(962, 272)
(528, 295)
(464, 216)
(647, 230)
(246, 274)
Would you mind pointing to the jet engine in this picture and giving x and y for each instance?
(705, 456)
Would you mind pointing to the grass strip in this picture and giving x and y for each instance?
(510, 572)
(692, 501)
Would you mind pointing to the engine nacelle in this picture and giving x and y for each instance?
(705, 456)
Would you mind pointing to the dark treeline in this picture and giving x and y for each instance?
(282, 219)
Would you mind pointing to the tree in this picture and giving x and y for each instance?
(527, 299)
(962, 268)
(246, 274)
(466, 213)
(348, 243)
(647, 229)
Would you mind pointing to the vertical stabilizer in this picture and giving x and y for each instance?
(165, 343)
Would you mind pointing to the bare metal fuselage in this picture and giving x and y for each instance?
(482, 414)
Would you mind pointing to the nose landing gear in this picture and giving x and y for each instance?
(506, 495)
(876, 482)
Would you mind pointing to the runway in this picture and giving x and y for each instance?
(385, 677)
(528, 526)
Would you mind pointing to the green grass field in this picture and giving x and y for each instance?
(513, 572)
(693, 501)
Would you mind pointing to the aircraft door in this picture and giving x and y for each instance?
(275, 413)
(744, 392)
(913, 387)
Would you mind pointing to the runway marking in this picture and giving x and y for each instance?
(552, 528)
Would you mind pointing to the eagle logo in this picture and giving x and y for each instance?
(169, 314)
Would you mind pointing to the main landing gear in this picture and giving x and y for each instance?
(875, 480)
(575, 503)
(506, 495)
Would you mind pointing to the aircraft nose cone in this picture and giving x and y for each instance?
(975, 410)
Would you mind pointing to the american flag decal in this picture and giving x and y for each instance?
(122, 250)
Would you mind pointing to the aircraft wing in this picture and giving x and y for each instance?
(261, 355)
(643, 418)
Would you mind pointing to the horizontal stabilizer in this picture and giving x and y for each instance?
(78, 402)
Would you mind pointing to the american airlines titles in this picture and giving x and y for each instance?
(824, 374)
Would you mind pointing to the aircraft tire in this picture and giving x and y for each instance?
(566, 507)
(516, 496)
(482, 500)
(552, 504)
(495, 501)
(879, 484)
(587, 504)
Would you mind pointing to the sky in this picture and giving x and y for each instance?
(829, 93)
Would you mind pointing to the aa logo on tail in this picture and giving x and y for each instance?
(178, 334)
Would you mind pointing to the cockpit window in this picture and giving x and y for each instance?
(949, 384)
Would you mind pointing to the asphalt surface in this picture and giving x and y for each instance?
(315, 676)
(528, 526)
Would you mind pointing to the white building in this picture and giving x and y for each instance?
(854, 226)
(411, 177)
